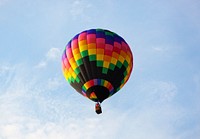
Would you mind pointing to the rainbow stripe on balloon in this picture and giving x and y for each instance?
(97, 82)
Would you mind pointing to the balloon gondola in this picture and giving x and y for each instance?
(97, 63)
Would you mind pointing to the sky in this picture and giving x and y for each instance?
(161, 100)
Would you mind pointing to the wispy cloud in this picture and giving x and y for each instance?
(159, 91)
(159, 49)
(31, 108)
(4, 68)
(79, 10)
(2, 2)
(29, 128)
(52, 55)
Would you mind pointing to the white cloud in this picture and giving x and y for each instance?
(7, 72)
(31, 108)
(79, 9)
(161, 91)
(42, 64)
(54, 83)
(2, 2)
(30, 128)
(160, 49)
(53, 55)
(6, 69)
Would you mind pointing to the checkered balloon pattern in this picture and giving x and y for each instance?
(97, 63)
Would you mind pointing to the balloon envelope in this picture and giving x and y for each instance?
(97, 63)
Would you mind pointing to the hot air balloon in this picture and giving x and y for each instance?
(97, 63)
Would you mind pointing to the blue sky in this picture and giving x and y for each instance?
(161, 100)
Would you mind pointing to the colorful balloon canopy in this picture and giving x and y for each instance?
(97, 63)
